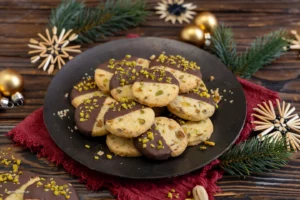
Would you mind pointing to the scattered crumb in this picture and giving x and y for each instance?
(96, 157)
(225, 99)
(189, 193)
(63, 113)
(177, 196)
(173, 190)
(224, 90)
(75, 128)
(70, 137)
(87, 146)
(170, 195)
(211, 78)
(216, 95)
(108, 156)
(209, 143)
(100, 153)
(202, 147)
(53, 114)
(72, 130)
(231, 101)
(121, 163)
(66, 95)
(152, 57)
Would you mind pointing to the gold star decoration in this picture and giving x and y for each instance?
(53, 49)
(175, 10)
(294, 43)
(275, 125)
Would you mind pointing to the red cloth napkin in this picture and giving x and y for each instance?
(32, 134)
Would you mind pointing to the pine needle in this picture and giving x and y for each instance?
(92, 24)
(262, 51)
(254, 156)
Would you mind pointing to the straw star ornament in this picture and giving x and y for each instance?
(175, 10)
(53, 49)
(285, 123)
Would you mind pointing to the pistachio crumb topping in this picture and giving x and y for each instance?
(85, 85)
(179, 61)
(209, 143)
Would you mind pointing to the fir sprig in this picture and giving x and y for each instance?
(262, 51)
(254, 156)
(99, 22)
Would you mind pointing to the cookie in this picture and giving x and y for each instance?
(121, 146)
(198, 132)
(89, 116)
(165, 139)
(121, 82)
(105, 71)
(195, 106)
(16, 184)
(186, 72)
(155, 88)
(85, 89)
(128, 119)
(62, 190)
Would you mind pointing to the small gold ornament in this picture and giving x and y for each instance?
(11, 82)
(275, 126)
(53, 49)
(193, 34)
(206, 21)
(295, 43)
(175, 10)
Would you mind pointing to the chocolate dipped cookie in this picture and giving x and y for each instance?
(121, 146)
(105, 71)
(128, 119)
(163, 140)
(155, 88)
(51, 189)
(89, 116)
(85, 89)
(121, 82)
(195, 105)
(186, 72)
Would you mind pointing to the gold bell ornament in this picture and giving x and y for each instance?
(206, 21)
(11, 84)
(199, 33)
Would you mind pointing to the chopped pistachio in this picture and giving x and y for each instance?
(141, 121)
(87, 146)
(159, 92)
(108, 156)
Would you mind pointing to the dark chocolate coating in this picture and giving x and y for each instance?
(117, 64)
(115, 80)
(39, 192)
(196, 96)
(119, 111)
(10, 186)
(156, 73)
(195, 72)
(150, 152)
(75, 93)
(86, 127)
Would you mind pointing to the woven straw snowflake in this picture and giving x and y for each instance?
(175, 10)
(285, 123)
(53, 49)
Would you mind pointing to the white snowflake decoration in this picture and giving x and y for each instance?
(275, 126)
(175, 10)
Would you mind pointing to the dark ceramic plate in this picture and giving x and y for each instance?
(228, 120)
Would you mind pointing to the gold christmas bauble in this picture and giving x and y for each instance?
(193, 34)
(206, 21)
(11, 82)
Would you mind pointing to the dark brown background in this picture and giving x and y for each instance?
(22, 19)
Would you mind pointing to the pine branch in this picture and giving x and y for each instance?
(262, 52)
(65, 14)
(224, 46)
(253, 156)
(99, 22)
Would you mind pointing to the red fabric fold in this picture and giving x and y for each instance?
(32, 134)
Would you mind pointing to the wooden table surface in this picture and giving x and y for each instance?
(22, 19)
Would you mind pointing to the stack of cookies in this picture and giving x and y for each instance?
(155, 108)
